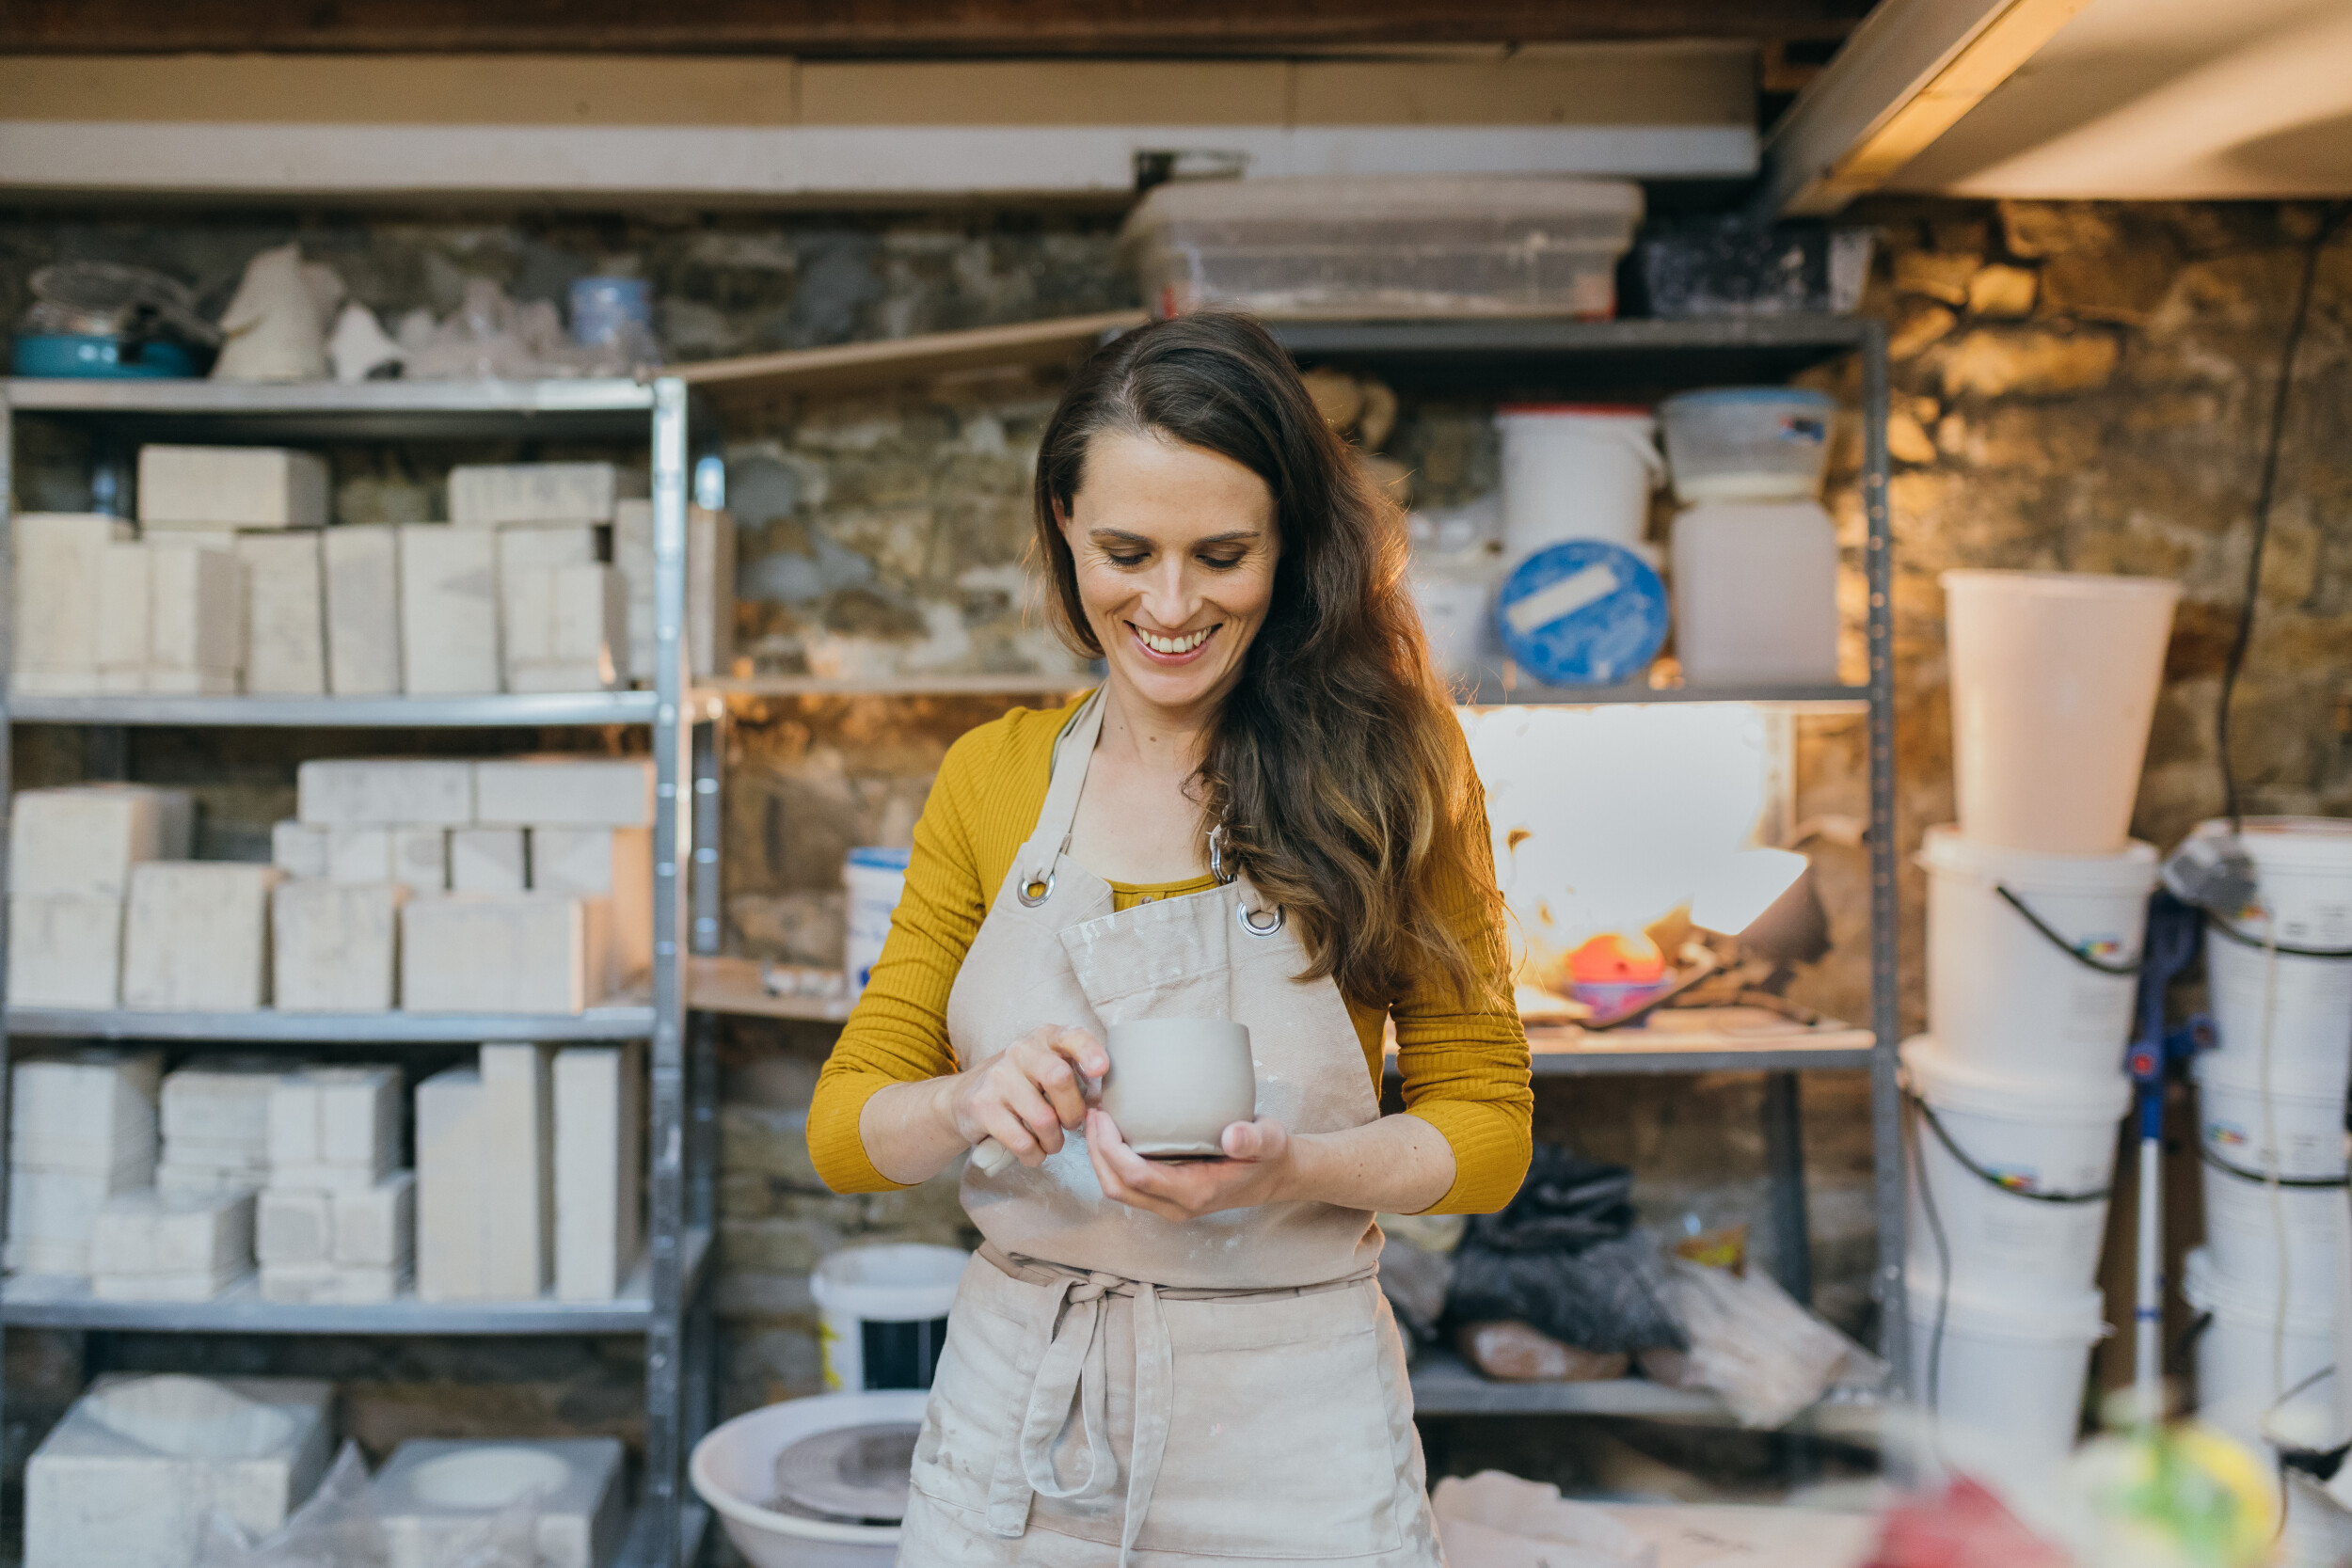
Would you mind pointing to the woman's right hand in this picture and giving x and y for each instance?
(1027, 1094)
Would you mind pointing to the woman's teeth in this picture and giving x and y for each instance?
(1184, 644)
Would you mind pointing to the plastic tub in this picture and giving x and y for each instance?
(1454, 576)
(1747, 443)
(2054, 681)
(1576, 472)
(1384, 245)
(1755, 594)
(2250, 1358)
(2006, 1375)
(2004, 997)
(875, 878)
(2244, 1227)
(734, 1469)
(2035, 1137)
(882, 1313)
(2303, 868)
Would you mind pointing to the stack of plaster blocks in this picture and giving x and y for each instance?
(528, 1171)
(190, 1236)
(98, 612)
(195, 937)
(515, 593)
(265, 508)
(81, 1130)
(368, 837)
(552, 907)
(70, 857)
(337, 1222)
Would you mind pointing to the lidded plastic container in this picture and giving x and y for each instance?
(1755, 594)
(1747, 443)
(875, 877)
(1366, 245)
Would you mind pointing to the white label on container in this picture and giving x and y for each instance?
(1562, 598)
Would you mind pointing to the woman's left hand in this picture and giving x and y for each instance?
(1256, 1169)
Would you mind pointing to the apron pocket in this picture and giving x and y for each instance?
(978, 1391)
(1280, 1443)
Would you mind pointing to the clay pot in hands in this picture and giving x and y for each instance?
(1176, 1083)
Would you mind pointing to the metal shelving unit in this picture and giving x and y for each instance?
(664, 1303)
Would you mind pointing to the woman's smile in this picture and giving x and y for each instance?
(1173, 648)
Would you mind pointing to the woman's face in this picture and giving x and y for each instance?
(1175, 547)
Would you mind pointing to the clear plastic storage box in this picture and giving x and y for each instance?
(1412, 245)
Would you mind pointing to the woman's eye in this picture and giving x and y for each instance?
(1220, 563)
(1118, 560)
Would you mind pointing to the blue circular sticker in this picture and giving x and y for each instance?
(1582, 613)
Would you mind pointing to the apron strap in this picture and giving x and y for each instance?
(1155, 1410)
(1050, 840)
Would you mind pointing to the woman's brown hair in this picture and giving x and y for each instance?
(1337, 767)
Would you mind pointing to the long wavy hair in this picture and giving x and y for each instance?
(1337, 767)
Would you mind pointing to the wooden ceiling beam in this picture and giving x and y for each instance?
(887, 28)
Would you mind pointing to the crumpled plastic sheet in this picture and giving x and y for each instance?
(1495, 1520)
(1751, 1343)
(1609, 1297)
(338, 1526)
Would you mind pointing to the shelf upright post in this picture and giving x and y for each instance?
(666, 1142)
(1886, 990)
(8, 817)
(702, 1043)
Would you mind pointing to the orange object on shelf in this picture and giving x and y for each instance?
(1617, 958)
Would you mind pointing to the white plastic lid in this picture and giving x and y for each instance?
(1944, 850)
(900, 1282)
(1950, 1085)
(2019, 1309)
(2248, 1301)
(1484, 200)
(2084, 585)
(2291, 844)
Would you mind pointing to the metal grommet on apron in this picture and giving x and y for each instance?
(1273, 1310)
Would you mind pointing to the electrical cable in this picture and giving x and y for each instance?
(2265, 491)
(2088, 960)
(1943, 1285)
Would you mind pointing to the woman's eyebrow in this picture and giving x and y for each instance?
(1120, 536)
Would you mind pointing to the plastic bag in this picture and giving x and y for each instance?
(1568, 1203)
(1494, 1520)
(338, 1526)
(1751, 1343)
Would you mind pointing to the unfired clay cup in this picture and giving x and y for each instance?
(1177, 1084)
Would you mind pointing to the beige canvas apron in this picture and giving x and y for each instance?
(1117, 1387)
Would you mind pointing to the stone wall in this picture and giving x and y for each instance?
(2078, 385)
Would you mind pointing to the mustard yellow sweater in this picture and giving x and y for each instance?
(1465, 1071)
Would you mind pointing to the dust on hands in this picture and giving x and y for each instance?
(1027, 1095)
(1256, 1167)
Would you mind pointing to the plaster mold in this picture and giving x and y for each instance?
(432, 1490)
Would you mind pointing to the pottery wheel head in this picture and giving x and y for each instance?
(852, 1475)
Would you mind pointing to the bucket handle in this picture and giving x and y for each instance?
(1642, 446)
(1943, 1136)
(2070, 949)
(2296, 1183)
(2213, 919)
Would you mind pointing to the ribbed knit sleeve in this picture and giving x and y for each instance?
(897, 1032)
(1464, 1058)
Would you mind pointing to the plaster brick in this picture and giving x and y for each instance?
(91, 1111)
(335, 945)
(220, 1107)
(59, 1207)
(487, 860)
(501, 953)
(347, 1116)
(363, 611)
(449, 631)
(327, 1285)
(199, 1180)
(600, 1152)
(194, 683)
(604, 862)
(451, 1136)
(83, 839)
(493, 495)
(247, 487)
(124, 608)
(563, 791)
(421, 858)
(566, 628)
(195, 937)
(59, 571)
(65, 950)
(285, 610)
(516, 1161)
(376, 1227)
(197, 595)
(152, 1233)
(298, 849)
(292, 1228)
(384, 792)
(358, 854)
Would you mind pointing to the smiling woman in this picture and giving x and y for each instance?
(1266, 815)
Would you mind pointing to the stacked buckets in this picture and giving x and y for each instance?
(2037, 906)
(2270, 1113)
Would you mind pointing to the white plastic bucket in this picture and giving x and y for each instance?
(1576, 472)
(2006, 1374)
(875, 878)
(882, 1313)
(2248, 1357)
(2249, 1228)
(2305, 1123)
(1748, 443)
(2004, 997)
(734, 1470)
(2054, 681)
(2036, 1138)
(2303, 868)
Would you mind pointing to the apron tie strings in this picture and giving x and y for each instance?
(1073, 1371)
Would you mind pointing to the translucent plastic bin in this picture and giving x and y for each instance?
(1747, 443)
(1374, 246)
